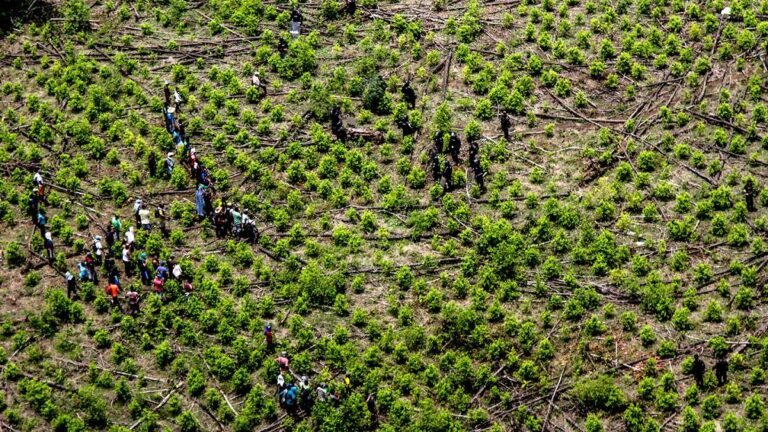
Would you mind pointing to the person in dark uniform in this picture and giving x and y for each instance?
(697, 370)
(506, 123)
(721, 371)
(454, 147)
(409, 95)
(749, 194)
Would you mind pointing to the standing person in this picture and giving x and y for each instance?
(351, 7)
(117, 224)
(85, 275)
(37, 179)
(474, 150)
(721, 371)
(159, 285)
(111, 238)
(219, 222)
(749, 194)
(34, 206)
(127, 259)
(169, 164)
(41, 221)
(305, 392)
(176, 272)
(144, 218)
(113, 291)
(167, 93)
(200, 202)
(152, 163)
(454, 146)
(409, 95)
(133, 302)
(162, 216)
(283, 362)
(448, 175)
(208, 201)
(162, 271)
(97, 250)
(237, 220)
(479, 173)
(48, 244)
(697, 370)
(296, 21)
(130, 236)
(71, 285)
(90, 263)
(188, 288)
(282, 47)
(434, 164)
(370, 401)
(177, 99)
(268, 338)
(143, 269)
(322, 392)
(506, 123)
(136, 208)
(114, 275)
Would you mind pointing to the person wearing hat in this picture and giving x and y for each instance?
(48, 244)
(37, 179)
(256, 82)
(71, 285)
(169, 163)
(97, 252)
(220, 222)
(136, 207)
(85, 275)
(268, 337)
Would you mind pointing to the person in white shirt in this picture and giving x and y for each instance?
(129, 235)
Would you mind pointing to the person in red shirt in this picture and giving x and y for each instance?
(283, 362)
(268, 337)
(187, 288)
(113, 291)
(159, 285)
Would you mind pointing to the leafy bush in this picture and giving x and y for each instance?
(599, 393)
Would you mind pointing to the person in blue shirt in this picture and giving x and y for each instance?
(290, 397)
(41, 222)
(85, 275)
(162, 271)
(200, 201)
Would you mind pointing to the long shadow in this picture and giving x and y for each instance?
(14, 13)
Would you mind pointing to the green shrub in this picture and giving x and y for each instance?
(599, 393)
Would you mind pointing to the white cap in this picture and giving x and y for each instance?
(170, 154)
(97, 238)
(48, 236)
(193, 150)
